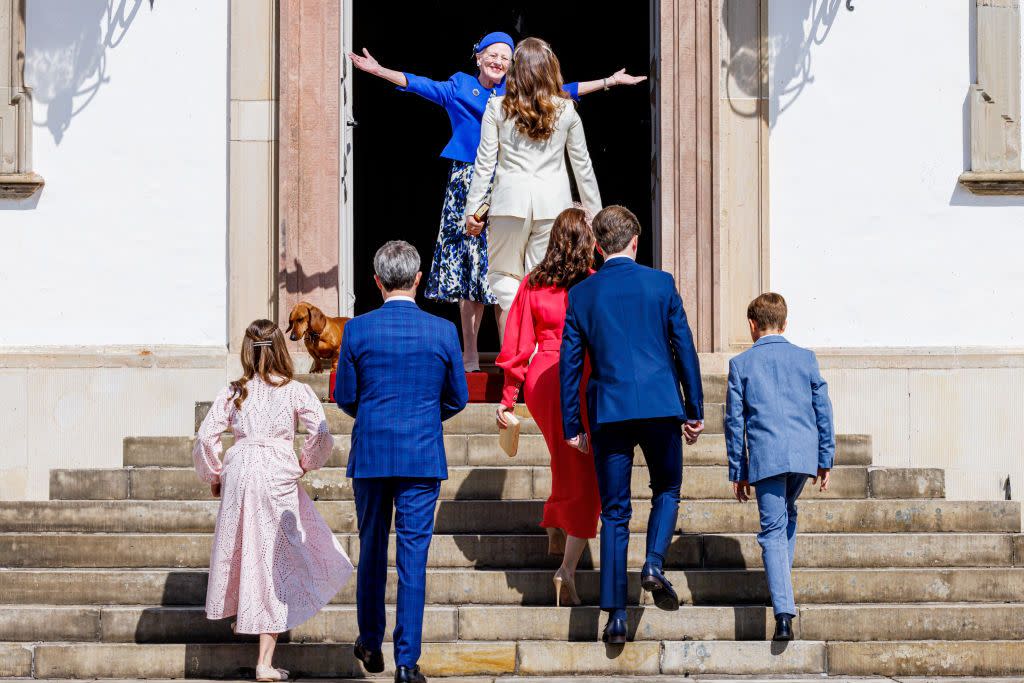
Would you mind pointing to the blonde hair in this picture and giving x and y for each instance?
(264, 353)
(533, 94)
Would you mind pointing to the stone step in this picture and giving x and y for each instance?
(528, 658)
(511, 482)
(477, 418)
(187, 587)
(469, 516)
(714, 386)
(468, 449)
(488, 623)
(736, 551)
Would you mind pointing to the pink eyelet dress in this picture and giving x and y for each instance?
(275, 563)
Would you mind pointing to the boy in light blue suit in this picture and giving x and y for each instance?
(778, 433)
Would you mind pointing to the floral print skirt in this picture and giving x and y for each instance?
(459, 268)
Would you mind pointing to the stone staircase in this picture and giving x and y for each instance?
(108, 579)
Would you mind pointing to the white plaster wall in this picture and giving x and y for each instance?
(126, 242)
(873, 242)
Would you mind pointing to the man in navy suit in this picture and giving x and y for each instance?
(778, 433)
(400, 376)
(630, 320)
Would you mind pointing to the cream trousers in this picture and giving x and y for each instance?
(515, 245)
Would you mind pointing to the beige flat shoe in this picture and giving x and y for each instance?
(268, 674)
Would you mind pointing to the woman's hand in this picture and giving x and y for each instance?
(501, 416)
(367, 63)
(473, 226)
(620, 77)
(215, 489)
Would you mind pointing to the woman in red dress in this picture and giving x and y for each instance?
(529, 356)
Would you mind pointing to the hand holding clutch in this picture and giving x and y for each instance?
(508, 436)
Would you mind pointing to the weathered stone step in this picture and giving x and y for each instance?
(469, 516)
(187, 587)
(530, 551)
(714, 386)
(528, 658)
(463, 449)
(488, 623)
(511, 482)
(477, 418)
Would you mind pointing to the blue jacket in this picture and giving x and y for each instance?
(778, 400)
(465, 99)
(631, 322)
(400, 375)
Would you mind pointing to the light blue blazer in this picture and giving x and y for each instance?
(778, 417)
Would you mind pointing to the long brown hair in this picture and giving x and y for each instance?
(272, 363)
(570, 254)
(533, 93)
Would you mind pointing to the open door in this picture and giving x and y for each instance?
(346, 267)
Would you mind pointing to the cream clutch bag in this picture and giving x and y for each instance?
(508, 438)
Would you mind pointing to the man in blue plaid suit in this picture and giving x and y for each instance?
(400, 375)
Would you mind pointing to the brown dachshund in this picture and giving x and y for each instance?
(321, 334)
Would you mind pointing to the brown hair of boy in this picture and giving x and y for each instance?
(768, 311)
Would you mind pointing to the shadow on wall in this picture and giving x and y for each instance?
(794, 32)
(67, 43)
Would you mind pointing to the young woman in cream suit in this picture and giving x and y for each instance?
(523, 140)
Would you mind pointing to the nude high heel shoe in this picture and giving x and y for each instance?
(563, 581)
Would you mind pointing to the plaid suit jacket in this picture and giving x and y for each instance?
(400, 376)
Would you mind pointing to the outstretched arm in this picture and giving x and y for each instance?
(366, 62)
(620, 77)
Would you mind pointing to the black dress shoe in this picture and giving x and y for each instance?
(615, 631)
(373, 662)
(653, 580)
(783, 627)
(404, 674)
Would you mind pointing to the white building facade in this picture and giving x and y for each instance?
(169, 138)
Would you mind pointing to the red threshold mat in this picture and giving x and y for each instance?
(484, 387)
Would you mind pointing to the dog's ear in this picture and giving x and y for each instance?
(290, 324)
(317, 320)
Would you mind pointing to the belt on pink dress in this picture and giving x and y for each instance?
(270, 441)
(549, 345)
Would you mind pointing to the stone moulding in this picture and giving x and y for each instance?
(994, 182)
(19, 185)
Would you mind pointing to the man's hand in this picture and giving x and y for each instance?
(215, 489)
(501, 416)
(580, 443)
(473, 226)
(823, 475)
(692, 430)
(741, 489)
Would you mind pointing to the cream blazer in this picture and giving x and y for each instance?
(531, 174)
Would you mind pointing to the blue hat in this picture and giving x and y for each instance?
(491, 39)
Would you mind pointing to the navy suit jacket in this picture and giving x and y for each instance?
(779, 402)
(630, 320)
(400, 375)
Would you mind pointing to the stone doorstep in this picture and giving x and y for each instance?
(465, 587)
(521, 517)
(465, 449)
(510, 551)
(487, 623)
(539, 658)
(512, 482)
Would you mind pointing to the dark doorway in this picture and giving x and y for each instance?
(399, 179)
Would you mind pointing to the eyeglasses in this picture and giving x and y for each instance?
(495, 56)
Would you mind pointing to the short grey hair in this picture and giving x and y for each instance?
(396, 265)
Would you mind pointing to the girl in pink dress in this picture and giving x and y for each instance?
(275, 562)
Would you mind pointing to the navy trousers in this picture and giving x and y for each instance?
(662, 446)
(776, 503)
(413, 502)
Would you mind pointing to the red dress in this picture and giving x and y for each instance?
(535, 323)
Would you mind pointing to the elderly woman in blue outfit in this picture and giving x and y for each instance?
(458, 273)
